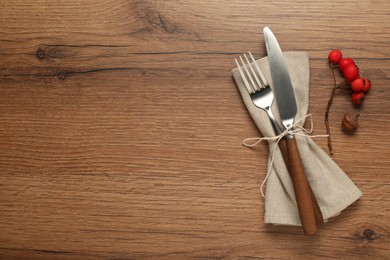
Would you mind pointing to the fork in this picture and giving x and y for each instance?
(258, 88)
(262, 97)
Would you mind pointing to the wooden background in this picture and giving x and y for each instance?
(121, 128)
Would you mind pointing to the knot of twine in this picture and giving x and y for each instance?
(294, 129)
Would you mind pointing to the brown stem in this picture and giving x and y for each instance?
(335, 87)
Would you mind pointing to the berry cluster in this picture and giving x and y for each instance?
(350, 71)
(358, 86)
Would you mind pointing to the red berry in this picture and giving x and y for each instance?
(335, 56)
(350, 73)
(358, 98)
(344, 62)
(366, 85)
(357, 84)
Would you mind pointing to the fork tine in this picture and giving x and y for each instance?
(249, 75)
(246, 83)
(259, 85)
(262, 77)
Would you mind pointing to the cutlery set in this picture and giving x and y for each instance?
(262, 97)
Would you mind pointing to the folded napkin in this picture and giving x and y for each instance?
(331, 186)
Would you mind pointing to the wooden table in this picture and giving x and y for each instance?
(121, 129)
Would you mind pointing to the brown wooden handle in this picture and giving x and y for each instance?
(317, 211)
(301, 188)
(316, 208)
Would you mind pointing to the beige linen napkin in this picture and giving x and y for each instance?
(331, 186)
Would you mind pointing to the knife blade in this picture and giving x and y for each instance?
(285, 98)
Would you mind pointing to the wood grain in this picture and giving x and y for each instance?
(121, 129)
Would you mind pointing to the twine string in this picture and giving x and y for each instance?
(294, 129)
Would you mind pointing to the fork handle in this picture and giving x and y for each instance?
(317, 211)
(301, 188)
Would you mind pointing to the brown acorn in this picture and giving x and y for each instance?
(350, 121)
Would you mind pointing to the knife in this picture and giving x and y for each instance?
(285, 98)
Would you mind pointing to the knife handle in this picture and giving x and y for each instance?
(301, 188)
(317, 211)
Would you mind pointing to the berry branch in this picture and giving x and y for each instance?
(341, 85)
(354, 82)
